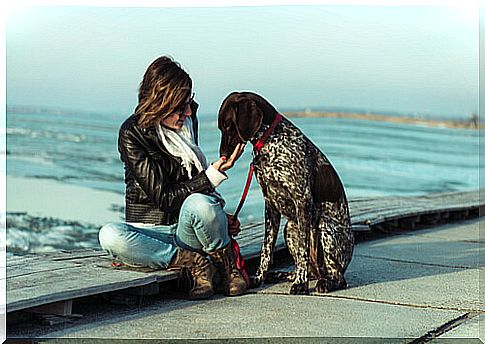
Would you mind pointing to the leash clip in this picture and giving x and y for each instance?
(258, 145)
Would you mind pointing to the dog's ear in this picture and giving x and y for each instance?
(268, 110)
(249, 117)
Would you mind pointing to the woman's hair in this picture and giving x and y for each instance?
(164, 88)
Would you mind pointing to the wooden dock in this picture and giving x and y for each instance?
(49, 283)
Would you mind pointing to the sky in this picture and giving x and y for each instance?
(415, 60)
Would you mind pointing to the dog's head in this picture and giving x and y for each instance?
(240, 117)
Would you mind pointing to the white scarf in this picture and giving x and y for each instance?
(180, 143)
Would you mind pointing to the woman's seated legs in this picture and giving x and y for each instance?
(153, 247)
(202, 224)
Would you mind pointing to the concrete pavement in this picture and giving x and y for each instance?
(419, 285)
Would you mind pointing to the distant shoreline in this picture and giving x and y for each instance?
(471, 123)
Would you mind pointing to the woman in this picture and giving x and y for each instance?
(174, 217)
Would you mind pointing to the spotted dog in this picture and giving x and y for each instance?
(297, 181)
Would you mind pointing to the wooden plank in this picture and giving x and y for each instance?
(28, 291)
(442, 199)
(251, 249)
(22, 260)
(32, 264)
(410, 212)
(404, 209)
(76, 255)
(35, 280)
(38, 266)
(378, 210)
(33, 260)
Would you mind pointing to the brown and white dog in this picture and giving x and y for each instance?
(297, 181)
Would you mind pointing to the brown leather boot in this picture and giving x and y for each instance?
(201, 270)
(232, 281)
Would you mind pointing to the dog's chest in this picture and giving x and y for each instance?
(281, 164)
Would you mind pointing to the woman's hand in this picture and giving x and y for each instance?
(233, 225)
(223, 164)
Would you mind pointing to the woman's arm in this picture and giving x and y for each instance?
(166, 194)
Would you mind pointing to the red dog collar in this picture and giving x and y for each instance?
(260, 143)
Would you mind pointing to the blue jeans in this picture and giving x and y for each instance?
(202, 227)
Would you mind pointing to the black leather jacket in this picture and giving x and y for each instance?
(156, 183)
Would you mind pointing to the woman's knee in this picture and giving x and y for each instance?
(111, 236)
(202, 207)
(203, 219)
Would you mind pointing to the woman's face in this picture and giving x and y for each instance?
(176, 120)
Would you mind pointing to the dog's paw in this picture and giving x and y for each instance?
(299, 289)
(331, 284)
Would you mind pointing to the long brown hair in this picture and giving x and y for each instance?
(164, 88)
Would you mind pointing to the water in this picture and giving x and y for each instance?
(372, 159)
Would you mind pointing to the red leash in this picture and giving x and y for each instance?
(239, 260)
(257, 147)
(246, 189)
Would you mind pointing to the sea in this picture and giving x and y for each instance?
(373, 159)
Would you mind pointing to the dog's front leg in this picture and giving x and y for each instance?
(272, 218)
(297, 239)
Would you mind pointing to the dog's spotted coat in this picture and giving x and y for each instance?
(298, 182)
(318, 234)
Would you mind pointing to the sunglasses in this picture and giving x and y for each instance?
(183, 108)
